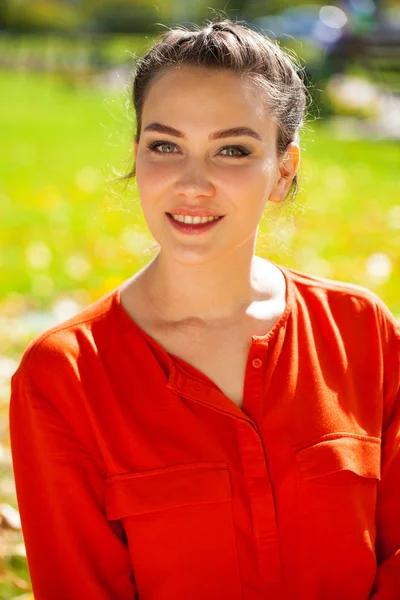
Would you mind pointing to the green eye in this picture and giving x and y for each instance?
(240, 149)
(232, 151)
(166, 146)
(153, 146)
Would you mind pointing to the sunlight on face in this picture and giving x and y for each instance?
(186, 164)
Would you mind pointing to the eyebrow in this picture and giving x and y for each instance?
(222, 133)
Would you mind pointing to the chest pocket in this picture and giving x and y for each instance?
(337, 491)
(341, 453)
(179, 526)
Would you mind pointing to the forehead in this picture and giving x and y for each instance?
(205, 95)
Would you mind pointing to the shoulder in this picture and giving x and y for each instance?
(58, 348)
(348, 304)
(343, 293)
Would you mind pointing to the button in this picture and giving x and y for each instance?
(257, 363)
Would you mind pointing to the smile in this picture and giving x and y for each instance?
(195, 220)
(192, 225)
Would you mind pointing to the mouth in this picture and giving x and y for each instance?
(193, 228)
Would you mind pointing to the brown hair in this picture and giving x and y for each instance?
(232, 46)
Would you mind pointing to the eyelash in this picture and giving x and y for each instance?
(153, 145)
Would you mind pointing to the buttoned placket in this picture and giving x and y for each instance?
(254, 459)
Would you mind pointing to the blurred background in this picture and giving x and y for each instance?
(70, 231)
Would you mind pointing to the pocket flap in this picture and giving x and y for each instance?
(362, 455)
(159, 489)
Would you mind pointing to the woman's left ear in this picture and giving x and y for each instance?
(288, 165)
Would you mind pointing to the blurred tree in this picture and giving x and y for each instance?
(139, 15)
(67, 15)
(3, 12)
(183, 11)
(122, 17)
(41, 15)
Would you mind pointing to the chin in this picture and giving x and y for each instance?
(190, 256)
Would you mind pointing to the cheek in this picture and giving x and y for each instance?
(151, 179)
(250, 181)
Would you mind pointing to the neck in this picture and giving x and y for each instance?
(218, 291)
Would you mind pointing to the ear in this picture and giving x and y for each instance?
(288, 165)
(135, 147)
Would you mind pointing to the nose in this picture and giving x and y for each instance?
(194, 180)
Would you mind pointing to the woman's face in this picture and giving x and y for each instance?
(193, 167)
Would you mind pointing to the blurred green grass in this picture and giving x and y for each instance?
(65, 227)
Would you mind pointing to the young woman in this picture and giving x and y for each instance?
(217, 427)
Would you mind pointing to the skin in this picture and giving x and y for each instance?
(214, 278)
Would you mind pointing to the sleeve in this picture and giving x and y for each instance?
(387, 581)
(73, 552)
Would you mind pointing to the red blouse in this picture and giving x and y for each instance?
(137, 477)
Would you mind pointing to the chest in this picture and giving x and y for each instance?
(221, 358)
(221, 353)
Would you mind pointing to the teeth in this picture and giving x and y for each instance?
(193, 220)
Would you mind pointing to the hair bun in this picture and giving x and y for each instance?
(220, 26)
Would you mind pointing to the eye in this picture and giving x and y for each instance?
(232, 151)
(242, 151)
(153, 146)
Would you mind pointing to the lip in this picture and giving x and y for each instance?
(192, 229)
(193, 212)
